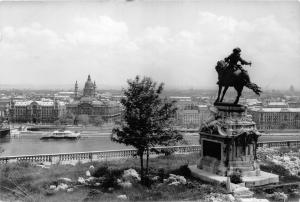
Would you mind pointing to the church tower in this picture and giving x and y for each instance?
(88, 90)
(76, 90)
(94, 88)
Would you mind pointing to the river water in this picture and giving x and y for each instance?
(30, 144)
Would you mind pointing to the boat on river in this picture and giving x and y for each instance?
(64, 134)
(14, 132)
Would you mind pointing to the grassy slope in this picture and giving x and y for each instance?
(30, 183)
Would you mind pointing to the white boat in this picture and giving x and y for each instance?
(14, 132)
(64, 134)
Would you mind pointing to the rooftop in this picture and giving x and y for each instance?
(41, 103)
(203, 106)
(259, 109)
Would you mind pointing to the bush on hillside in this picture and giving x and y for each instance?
(236, 178)
(183, 171)
(100, 171)
(109, 175)
(274, 168)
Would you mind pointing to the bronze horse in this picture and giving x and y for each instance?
(237, 79)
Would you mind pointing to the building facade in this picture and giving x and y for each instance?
(192, 116)
(277, 105)
(89, 104)
(36, 111)
(294, 104)
(4, 108)
(276, 118)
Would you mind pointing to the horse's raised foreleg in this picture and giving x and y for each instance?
(224, 92)
(219, 93)
(239, 90)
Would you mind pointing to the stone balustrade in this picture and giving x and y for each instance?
(113, 154)
(92, 155)
(290, 143)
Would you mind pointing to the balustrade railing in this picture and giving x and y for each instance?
(290, 143)
(92, 155)
(113, 154)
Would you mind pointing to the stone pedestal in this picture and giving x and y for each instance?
(229, 142)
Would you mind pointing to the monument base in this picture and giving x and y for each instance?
(228, 145)
(250, 181)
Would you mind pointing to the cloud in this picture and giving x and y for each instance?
(32, 36)
(100, 31)
(183, 57)
(51, 55)
(272, 47)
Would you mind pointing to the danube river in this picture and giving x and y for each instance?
(28, 144)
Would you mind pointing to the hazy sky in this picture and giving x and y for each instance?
(175, 42)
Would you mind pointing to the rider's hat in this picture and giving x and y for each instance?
(237, 50)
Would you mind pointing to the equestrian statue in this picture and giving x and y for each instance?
(232, 74)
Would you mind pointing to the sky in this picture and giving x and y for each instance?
(51, 43)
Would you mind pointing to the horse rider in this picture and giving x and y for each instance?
(233, 60)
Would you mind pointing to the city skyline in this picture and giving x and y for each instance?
(178, 43)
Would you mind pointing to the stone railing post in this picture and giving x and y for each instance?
(55, 159)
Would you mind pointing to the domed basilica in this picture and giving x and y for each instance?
(89, 104)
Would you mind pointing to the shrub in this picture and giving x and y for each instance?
(168, 151)
(275, 168)
(148, 181)
(100, 172)
(277, 196)
(161, 174)
(183, 171)
(109, 175)
(223, 184)
(236, 178)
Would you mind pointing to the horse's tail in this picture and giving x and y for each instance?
(256, 89)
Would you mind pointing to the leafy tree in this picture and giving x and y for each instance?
(57, 122)
(147, 119)
(83, 119)
(283, 125)
(67, 118)
(2, 119)
(98, 121)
